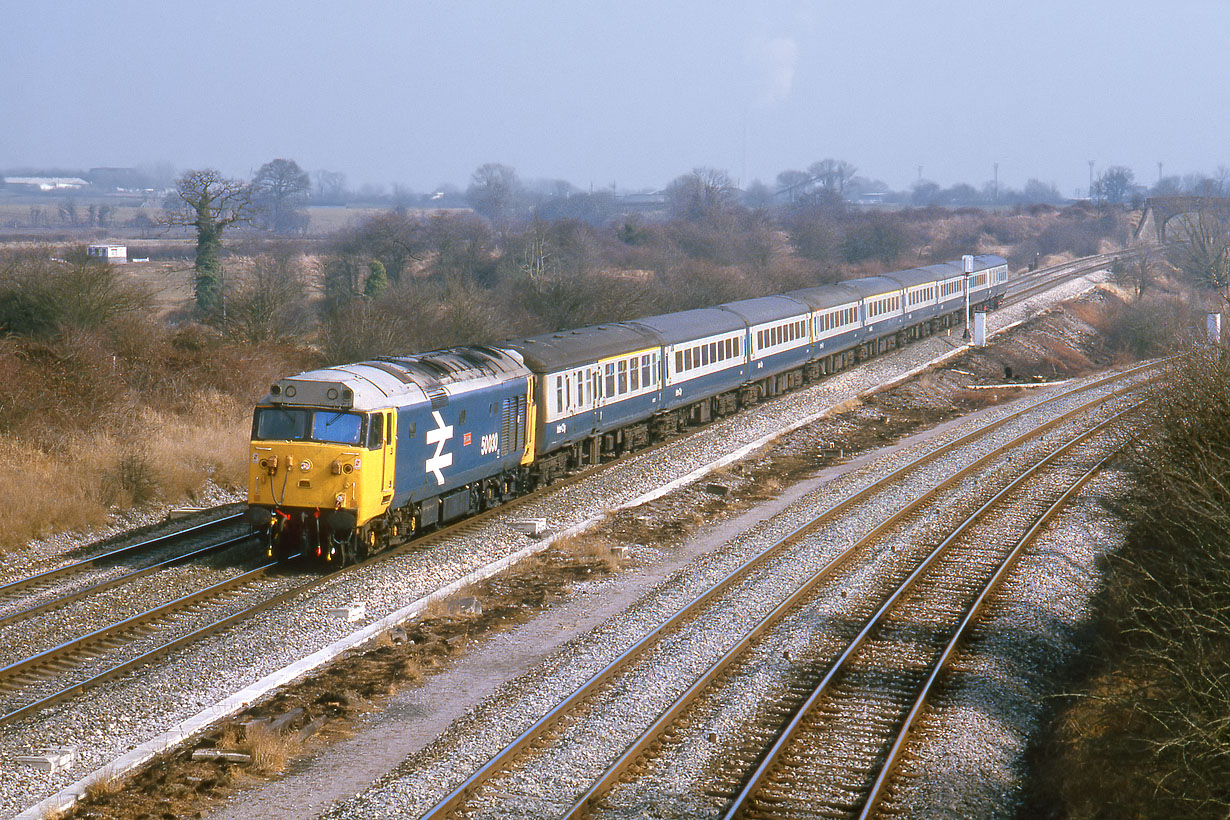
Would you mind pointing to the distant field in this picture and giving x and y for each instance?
(38, 217)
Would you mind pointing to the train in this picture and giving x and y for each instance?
(348, 460)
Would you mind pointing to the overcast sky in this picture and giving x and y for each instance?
(633, 92)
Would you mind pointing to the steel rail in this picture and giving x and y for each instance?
(791, 729)
(160, 651)
(627, 760)
(492, 766)
(126, 578)
(1044, 279)
(141, 618)
(131, 549)
(971, 618)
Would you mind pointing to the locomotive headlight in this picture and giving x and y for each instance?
(305, 465)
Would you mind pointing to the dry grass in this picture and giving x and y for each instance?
(102, 788)
(270, 750)
(985, 398)
(166, 458)
(588, 549)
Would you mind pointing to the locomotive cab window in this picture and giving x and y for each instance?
(337, 428)
(375, 434)
(280, 424)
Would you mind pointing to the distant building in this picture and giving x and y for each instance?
(47, 183)
(115, 254)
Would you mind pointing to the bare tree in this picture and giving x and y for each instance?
(1138, 273)
(279, 192)
(495, 192)
(330, 187)
(271, 303)
(1114, 185)
(1203, 252)
(704, 195)
(1037, 191)
(832, 174)
(209, 203)
(793, 184)
(68, 212)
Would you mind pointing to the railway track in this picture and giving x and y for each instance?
(1039, 281)
(502, 780)
(868, 700)
(31, 586)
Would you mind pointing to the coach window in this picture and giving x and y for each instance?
(634, 377)
(704, 355)
(622, 367)
(609, 387)
(646, 371)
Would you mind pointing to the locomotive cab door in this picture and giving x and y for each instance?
(389, 459)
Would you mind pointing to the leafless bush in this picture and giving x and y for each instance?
(270, 301)
(131, 481)
(1150, 737)
(40, 296)
(1150, 326)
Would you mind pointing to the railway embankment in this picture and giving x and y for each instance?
(1140, 727)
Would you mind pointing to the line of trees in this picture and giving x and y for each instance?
(565, 259)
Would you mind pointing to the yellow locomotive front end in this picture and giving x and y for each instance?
(320, 472)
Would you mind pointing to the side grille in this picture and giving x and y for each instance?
(512, 426)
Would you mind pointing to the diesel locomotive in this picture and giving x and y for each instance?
(346, 460)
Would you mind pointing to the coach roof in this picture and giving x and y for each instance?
(568, 348)
(767, 308)
(689, 325)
